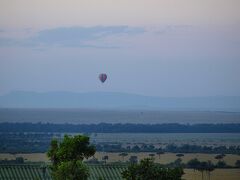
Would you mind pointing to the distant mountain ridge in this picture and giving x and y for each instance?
(115, 100)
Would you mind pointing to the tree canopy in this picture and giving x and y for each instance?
(67, 157)
(148, 170)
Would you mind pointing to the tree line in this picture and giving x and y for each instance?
(39, 142)
(120, 128)
(172, 148)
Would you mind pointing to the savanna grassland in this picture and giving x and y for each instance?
(165, 158)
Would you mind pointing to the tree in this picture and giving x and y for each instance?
(209, 168)
(148, 170)
(67, 157)
(202, 167)
(159, 153)
(151, 155)
(177, 163)
(71, 170)
(123, 155)
(105, 158)
(52, 153)
(219, 156)
(194, 164)
(179, 155)
(221, 164)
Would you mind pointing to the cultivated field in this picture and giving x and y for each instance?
(218, 174)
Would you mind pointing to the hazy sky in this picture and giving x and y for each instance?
(150, 47)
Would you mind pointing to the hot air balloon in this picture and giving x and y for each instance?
(102, 77)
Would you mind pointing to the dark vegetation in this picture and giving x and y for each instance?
(67, 157)
(120, 128)
(39, 142)
(25, 142)
(148, 170)
(17, 160)
(30, 138)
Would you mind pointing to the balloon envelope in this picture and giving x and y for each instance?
(102, 77)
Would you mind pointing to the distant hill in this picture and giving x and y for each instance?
(114, 100)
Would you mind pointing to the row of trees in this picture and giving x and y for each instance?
(177, 163)
(39, 142)
(173, 148)
(118, 127)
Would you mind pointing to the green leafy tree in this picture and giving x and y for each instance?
(71, 170)
(148, 170)
(67, 157)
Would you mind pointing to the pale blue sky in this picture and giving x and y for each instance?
(150, 47)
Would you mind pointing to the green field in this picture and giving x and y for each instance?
(23, 172)
(107, 172)
(36, 172)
